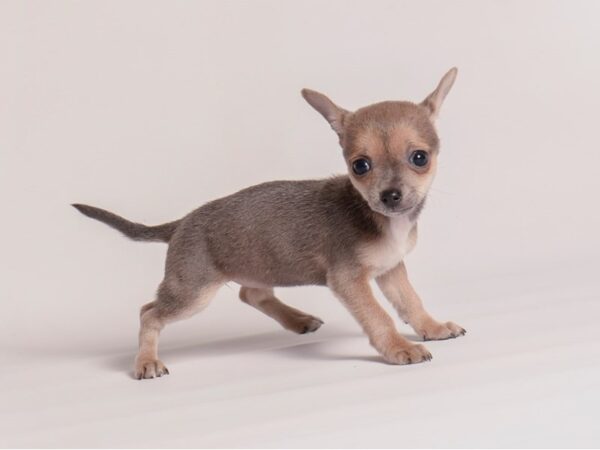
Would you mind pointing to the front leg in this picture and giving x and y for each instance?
(398, 290)
(355, 293)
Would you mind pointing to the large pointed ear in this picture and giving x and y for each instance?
(434, 101)
(332, 113)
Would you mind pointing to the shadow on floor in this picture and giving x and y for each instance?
(315, 346)
(307, 347)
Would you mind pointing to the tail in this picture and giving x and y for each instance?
(135, 231)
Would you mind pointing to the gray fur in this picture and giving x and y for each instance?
(280, 233)
(135, 231)
(259, 233)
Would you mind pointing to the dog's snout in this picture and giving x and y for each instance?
(391, 197)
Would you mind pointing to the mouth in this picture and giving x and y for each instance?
(392, 212)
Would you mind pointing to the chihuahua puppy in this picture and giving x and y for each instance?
(339, 232)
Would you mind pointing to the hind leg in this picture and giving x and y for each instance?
(174, 302)
(290, 318)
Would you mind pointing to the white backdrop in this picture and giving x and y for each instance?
(151, 108)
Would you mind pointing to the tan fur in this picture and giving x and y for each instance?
(391, 148)
(290, 318)
(398, 290)
(434, 101)
(353, 289)
(152, 321)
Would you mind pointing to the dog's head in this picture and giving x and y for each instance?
(390, 148)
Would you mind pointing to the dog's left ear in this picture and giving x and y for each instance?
(333, 113)
(434, 101)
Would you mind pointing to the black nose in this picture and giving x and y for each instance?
(391, 197)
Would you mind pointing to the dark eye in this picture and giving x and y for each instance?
(419, 158)
(361, 166)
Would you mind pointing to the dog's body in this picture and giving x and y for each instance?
(340, 232)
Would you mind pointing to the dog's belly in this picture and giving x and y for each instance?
(268, 280)
(263, 274)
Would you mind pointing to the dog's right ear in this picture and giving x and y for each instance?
(332, 113)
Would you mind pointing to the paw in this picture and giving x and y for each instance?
(435, 331)
(303, 324)
(406, 354)
(149, 368)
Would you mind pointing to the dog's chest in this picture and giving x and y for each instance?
(389, 250)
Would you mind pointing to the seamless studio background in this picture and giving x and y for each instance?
(152, 108)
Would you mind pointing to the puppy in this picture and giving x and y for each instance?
(339, 232)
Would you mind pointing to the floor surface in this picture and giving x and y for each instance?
(526, 374)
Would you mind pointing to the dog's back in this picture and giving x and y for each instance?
(280, 233)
